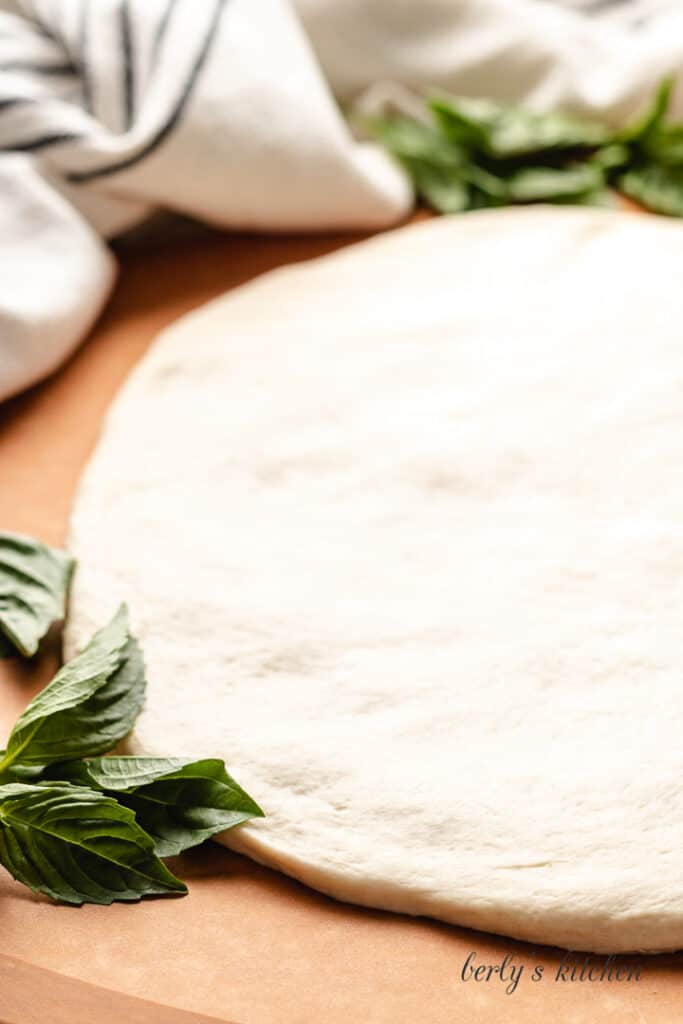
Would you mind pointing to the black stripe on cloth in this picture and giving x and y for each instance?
(42, 142)
(162, 29)
(38, 27)
(10, 102)
(127, 57)
(38, 69)
(78, 177)
(15, 101)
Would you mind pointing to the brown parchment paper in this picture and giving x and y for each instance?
(247, 946)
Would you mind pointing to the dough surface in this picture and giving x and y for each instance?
(401, 533)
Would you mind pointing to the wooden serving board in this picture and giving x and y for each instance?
(247, 946)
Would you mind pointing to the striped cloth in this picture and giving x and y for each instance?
(229, 111)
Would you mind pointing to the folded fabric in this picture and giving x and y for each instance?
(228, 110)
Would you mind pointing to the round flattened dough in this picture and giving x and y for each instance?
(401, 530)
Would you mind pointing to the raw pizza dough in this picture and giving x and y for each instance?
(401, 530)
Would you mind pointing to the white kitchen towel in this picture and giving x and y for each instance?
(231, 111)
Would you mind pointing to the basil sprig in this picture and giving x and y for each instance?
(34, 581)
(76, 826)
(467, 154)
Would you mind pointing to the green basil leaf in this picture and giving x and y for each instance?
(179, 802)
(466, 122)
(442, 188)
(666, 146)
(611, 157)
(493, 186)
(443, 173)
(660, 189)
(604, 198)
(505, 132)
(536, 184)
(89, 706)
(409, 139)
(34, 583)
(434, 165)
(78, 846)
(649, 123)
